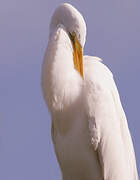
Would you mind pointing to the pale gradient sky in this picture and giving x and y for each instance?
(26, 150)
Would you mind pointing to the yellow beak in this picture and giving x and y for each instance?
(77, 55)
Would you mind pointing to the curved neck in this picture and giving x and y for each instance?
(63, 82)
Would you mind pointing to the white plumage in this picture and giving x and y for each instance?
(89, 127)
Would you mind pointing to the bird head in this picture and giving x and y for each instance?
(75, 26)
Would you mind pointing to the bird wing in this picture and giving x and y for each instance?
(107, 123)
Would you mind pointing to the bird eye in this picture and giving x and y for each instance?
(72, 37)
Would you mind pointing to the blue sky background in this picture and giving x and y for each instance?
(113, 33)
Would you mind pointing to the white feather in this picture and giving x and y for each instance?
(89, 127)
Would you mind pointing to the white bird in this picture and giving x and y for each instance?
(89, 128)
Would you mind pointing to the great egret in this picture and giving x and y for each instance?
(89, 127)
